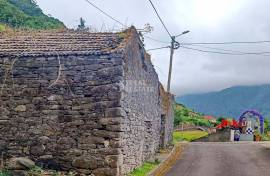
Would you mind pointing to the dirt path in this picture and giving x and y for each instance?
(223, 159)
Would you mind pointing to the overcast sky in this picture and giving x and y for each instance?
(208, 21)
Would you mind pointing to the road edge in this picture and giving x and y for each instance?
(174, 155)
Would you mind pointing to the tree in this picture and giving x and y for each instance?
(81, 26)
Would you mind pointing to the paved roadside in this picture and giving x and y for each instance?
(223, 159)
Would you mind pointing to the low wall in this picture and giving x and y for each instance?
(219, 136)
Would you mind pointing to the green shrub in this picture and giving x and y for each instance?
(5, 173)
(187, 116)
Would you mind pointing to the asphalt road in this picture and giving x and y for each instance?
(223, 159)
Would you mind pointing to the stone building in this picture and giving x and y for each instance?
(89, 102)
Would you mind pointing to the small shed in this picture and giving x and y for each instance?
(90, 102)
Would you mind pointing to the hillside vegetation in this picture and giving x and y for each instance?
(230, 102)
(25, 14)
(187, 116)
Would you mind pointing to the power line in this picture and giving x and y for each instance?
(156, 40)
(102, 11)
(240, 52)
(232, 52)
(220, 49)
(158, 48)
(226, 53)
(206, 51)
(160, 19)
(226, 43)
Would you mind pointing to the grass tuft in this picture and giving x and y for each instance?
(35, 171)
(2, 28)
(144, 169)
(188, 135)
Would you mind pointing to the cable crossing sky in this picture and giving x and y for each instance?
(195, 45)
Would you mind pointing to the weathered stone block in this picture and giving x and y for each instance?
(106, 171)
(46, 157)
(19, 172)
(20, 163)
(37, 150)
(107, 134)
(44, 140)
(20, 108)
(112, 161)
(91, 140)
(117, 143)
(55, 98)
(4, 122)
(115, 112)
(111, 121)
(84, 162)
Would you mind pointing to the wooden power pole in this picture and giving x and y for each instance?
(174, 45)
(171, 62)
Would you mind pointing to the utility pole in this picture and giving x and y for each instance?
(171, 62)
(174, 45)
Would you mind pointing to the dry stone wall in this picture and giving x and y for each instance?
(142, 103)
(96, 114)
(65, 117)
(167, 105)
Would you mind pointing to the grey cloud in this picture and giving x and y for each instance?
(193, 72)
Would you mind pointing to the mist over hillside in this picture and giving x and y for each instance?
(230, 102)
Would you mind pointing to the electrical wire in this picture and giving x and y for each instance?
(160, 19)
(225, 43)
(220, 49)
(236, 53)
(158, 48)
(156, 40)
(206, 51)
(264, 53)
(226, 53)
(105, 13)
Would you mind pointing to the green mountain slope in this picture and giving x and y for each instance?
(187, 116)
(26, 14)
(230, 102)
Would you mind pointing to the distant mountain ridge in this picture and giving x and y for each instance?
(230, 102)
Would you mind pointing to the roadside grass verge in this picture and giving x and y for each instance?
(2, 28)
(146, 168)
(188, 135)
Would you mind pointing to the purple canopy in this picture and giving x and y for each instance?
(255, 114)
